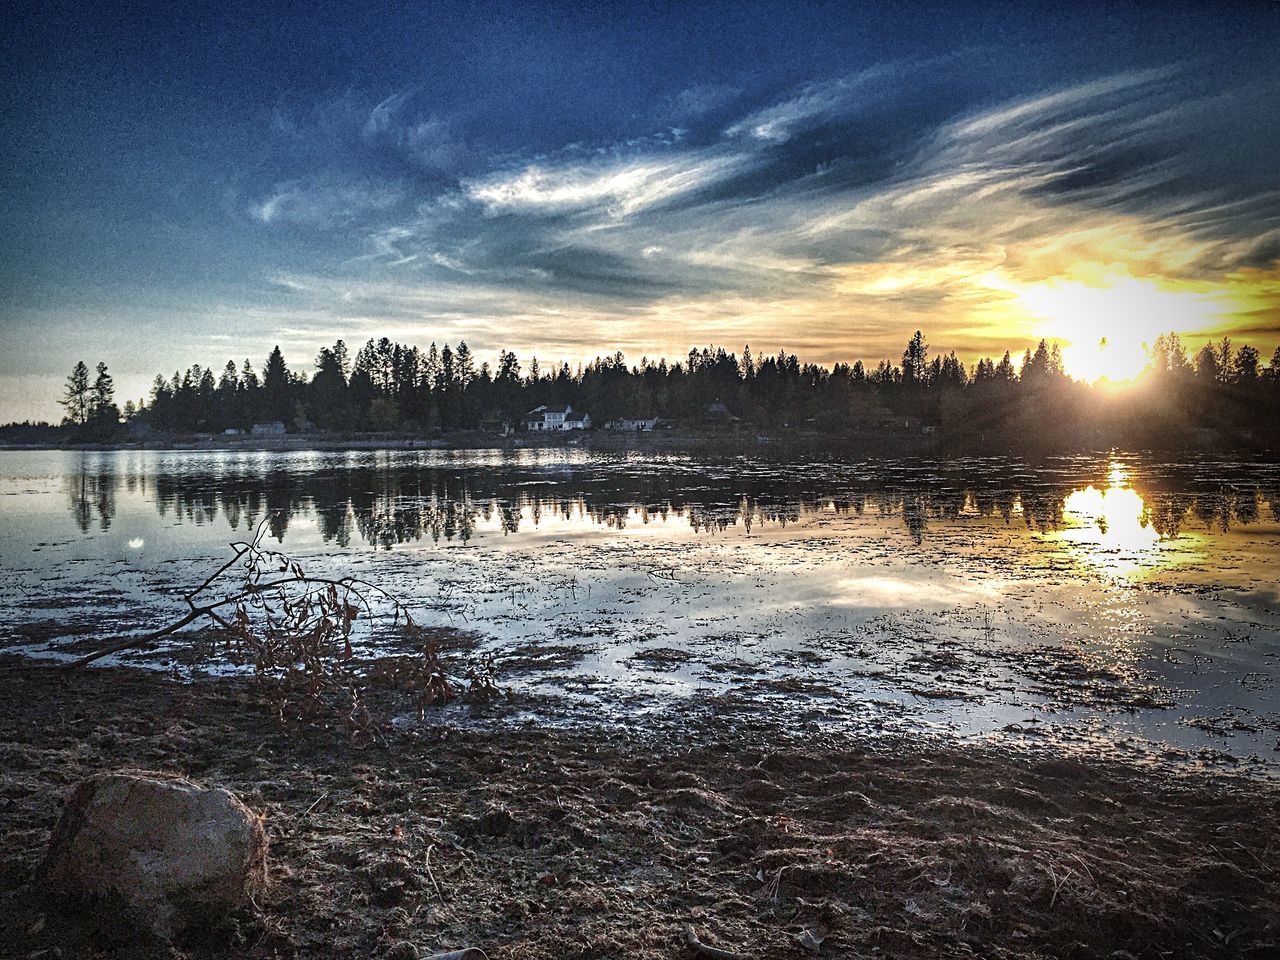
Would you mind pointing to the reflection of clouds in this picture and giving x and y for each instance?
(915, 586)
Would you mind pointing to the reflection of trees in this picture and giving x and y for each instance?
(92, 491)
(391, 503)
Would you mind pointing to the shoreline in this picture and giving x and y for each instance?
(584, 842)
(685, 443)
(597, 441)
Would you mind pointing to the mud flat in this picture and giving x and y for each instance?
(474, 828)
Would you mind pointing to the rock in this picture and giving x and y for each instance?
(170, 851)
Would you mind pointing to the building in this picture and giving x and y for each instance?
(544, 419)
(576, 421)
(625, 425)
(273, 428)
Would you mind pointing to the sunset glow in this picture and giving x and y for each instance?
(989, 201)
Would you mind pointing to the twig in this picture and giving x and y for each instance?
(318, 800)
(430, 874)
(705, 950)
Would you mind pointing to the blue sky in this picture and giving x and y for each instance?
(183, 184)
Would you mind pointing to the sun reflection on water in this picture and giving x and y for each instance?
(1110, 529)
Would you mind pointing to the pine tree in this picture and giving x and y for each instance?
(77, 395)
(275, 388)
(914, 360)
(102, 408)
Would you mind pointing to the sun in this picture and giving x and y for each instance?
(1107, 323)
(1117, 360)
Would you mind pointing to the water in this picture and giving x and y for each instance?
(1115, 603)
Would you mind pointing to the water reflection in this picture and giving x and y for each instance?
(1115, 531)
(1114, 519)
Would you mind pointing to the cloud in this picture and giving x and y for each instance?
(818, 103)
(616, 188)
(827, 219)
(325, 202)
(697, 101)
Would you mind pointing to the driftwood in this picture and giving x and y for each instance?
(706, 950)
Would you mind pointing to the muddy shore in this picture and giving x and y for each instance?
(535, 842)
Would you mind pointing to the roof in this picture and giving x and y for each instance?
(543, 408)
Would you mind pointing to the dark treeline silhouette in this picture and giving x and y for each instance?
(400, 501)
(1221, 392)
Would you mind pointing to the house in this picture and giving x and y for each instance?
(272, 428)
(877, 418)
(542, 419)
(719, 414)
(625, 425)
(576, 421)
(493, 423)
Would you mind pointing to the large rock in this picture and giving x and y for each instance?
(169, 850)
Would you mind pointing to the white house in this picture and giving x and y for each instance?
(576, 421)
(543, 418)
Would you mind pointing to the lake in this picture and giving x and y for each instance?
(1118, 604)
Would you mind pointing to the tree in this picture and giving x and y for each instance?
(275, 388)
(102, 408)
(104, 388)
(76, 398)
(1245, 366)
(1207, 365)
(914, 360)
(330, 406)
(465, 364)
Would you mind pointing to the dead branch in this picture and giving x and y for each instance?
(296, 629)
(705, 950)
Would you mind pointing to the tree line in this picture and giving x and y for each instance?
(393, 387)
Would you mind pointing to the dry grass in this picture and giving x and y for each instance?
(559, 845)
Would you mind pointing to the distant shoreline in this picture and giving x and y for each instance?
(474, 440)
(674, 441)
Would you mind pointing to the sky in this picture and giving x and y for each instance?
(191, 183)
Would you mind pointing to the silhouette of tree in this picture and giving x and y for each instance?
(103, 412)
(275, 388)
(76, 398)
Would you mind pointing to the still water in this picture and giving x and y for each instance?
(1115, 603)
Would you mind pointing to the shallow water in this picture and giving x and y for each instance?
(1116, 603)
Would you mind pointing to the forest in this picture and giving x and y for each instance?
(1221, 392)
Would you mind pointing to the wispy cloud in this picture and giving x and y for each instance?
(614, 188)
(820, 219)
(325, 202)
(812, 104)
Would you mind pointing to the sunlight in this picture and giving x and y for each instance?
(1112, 529)
(1108, 323)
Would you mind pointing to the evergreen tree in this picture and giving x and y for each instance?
(77, 396)
(102, 408)
(914, 360)
(276, 403)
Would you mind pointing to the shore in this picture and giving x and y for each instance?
(544, 842)
(597, 440)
